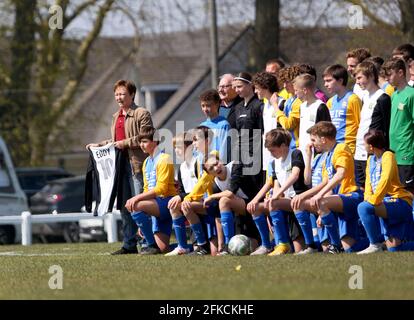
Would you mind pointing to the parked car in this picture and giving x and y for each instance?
(59, 196)
(32, 180)
(95, 230)
(13, 200)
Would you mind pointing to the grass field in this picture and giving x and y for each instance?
(89, 272)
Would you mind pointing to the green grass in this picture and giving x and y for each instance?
(89, 272)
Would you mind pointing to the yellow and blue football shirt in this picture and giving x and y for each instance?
(204, 185)
(284, 94)
(340, 156)
(158, 175)
(383, 180)
(389, 89)
(345, 115)
(289, 119)
(317, 165)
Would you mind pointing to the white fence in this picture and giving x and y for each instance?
(27, 219)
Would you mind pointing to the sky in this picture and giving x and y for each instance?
(154, 16)
(159, 16)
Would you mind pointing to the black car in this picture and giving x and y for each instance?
(33, 180)
(59, 196)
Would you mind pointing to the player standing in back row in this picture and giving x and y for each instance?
(375, 114)
(344, 106)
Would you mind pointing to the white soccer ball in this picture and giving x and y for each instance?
(239, 245)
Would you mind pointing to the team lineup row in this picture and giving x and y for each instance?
(329, 181)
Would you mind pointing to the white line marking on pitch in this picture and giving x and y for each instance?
(21, 253)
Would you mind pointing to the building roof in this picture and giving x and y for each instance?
(164, 70)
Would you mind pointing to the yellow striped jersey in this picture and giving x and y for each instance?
(289, 119)
(204, 185)
(389, 89)
(158, 175)
(340, 156)
(346, 114)
(382, 179)
(284, 94)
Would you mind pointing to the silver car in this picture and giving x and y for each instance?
(13, 200)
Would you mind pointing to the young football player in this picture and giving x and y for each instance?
(273, 67)
(406, 53)
(312, 110)
(375, 114)
(338, 178)
(266, 88)
(401, 124)
(187, 179)
(289, 118)
(353, 58)
(230, 190)
(210, 104)
(313, 177)
(382, 78)
(202, 222)
(149, 209)
(309, 69)
(286, 179)
(344, 106)
(385, 197)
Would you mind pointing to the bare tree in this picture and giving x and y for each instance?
(395, 15)
(42, 60)
(407, 18)
(266, 39)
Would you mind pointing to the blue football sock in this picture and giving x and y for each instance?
(261, 224)
(315, 230)
(407, 246)
(180, 232)
(144, 222)
(280, 227)
(173, 245)
(410, 231)
(366, 212)
(199, 233)
(331, 224)
(394, 249)
(358, 246)
(227, 223)
(306, 226)
(361, 244)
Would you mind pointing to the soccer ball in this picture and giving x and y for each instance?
(239, 245)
